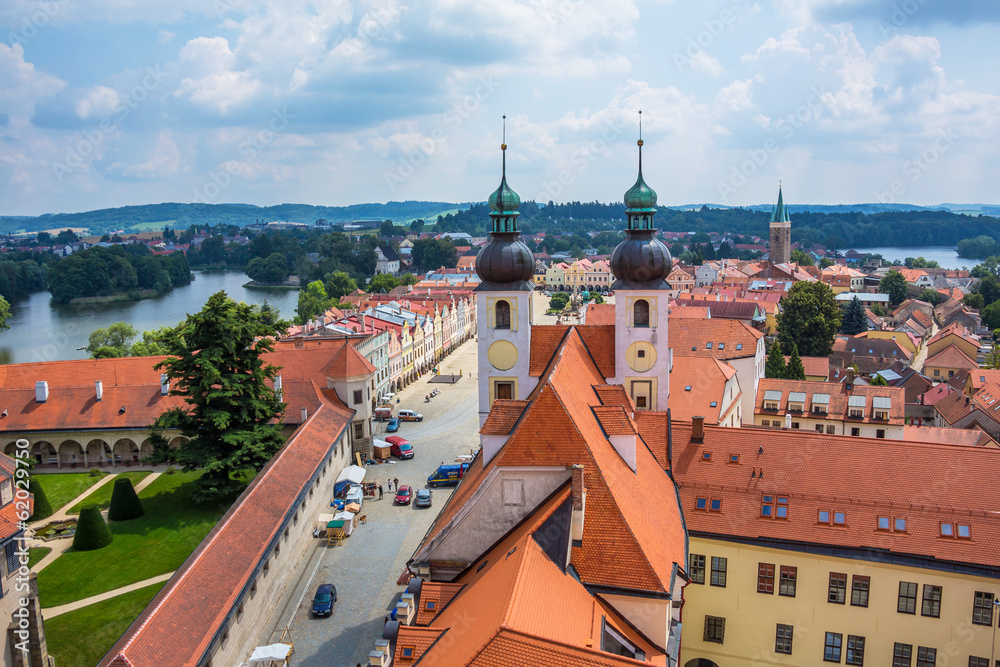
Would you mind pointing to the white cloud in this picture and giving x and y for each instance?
(706, 64)
(165, 36)
(23, 85)
(213, 81)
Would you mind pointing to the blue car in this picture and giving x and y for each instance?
(393, 425)
(322, 604)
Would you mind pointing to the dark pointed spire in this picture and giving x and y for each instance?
(780, 212)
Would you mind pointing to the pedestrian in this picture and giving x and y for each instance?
(395, 480)
(380, 491)
(389, 483)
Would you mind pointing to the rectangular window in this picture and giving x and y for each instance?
(883, 523)
(783, 639)
(715, 629)
(765, 422)
(978, 662)
(774, 507)
(932, 601)
(880, 433)
(859, 590)
(786, 585)
(359, 430)
(855, 650)
(831, 429)
(358, 397)
(907, 603)
(838, 588)
(819, 428)
(697, 569)
(982, 609)
(765, 578)
(719, 571)
(10, 551)
(831, 649)
(505, 390)
(855, 431)
(902, 655)
(926, 657)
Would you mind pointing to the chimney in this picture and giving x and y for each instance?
(41, 391)
(99, 389)
(788, 421)
(277, 386)
(579, 498)
(164, 384)
(697, 429)
(304, 414)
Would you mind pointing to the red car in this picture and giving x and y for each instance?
(404, 495)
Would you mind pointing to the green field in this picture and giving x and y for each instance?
(156, 543)
(36, 554)
(80, 638)
(102, 496)
(60, 488)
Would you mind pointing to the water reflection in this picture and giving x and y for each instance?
(43, 331)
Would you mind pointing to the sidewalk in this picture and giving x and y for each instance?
(52, 612)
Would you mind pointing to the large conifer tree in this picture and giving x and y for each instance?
(855, 320)
(794, 370)
(232, 417)
(774, 367)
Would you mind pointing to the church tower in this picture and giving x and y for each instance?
(503, 302)
(641, 264)
(780, 250)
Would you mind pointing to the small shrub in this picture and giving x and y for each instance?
(95, 472)
(125, 503)
(169, 471)
(92, 531)
(42, 506)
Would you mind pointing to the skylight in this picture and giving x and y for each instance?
(687, 387)
(715, 404)
(739, 346)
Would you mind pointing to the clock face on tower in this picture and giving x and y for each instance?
(502, 355)
(640, 356)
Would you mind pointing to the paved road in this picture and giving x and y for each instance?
(366, 568)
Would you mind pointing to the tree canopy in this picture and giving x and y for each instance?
(894, 284)
(313, 301)
(382, 283)
(270, 271)
(217, 366)
(855, 320)
(120, 269)
(809, 319)
(431, 254)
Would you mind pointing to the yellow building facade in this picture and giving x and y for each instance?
(771, 619)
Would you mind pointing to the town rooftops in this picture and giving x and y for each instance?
(698, 388)
(952, 357)
(834, 400)
(719, 338)
(883, 499)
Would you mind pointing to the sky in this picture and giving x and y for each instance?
(106, 103)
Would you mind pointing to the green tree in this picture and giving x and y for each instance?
(91, 530)
(802, 259)
(931, 296)
(312, 302)
(382, 283)
(125, 502)
(417, 226)
(974, 300)
(894, 284)
(232, 415)
(153, 343)
(991, 315)
(558, 301)
(42, 508)
(115, 341)
(4, 314)
(794, 370)
(434, 253)
(855, 320)
(809, 319)
(387, 229)
(988, 288)
(775, 367)
(878, 381)
(596, 298)
(338, 284)
(408, 279)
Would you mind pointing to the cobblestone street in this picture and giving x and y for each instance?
(366, 568)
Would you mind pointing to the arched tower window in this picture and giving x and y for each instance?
(640, 313)
(503, 315)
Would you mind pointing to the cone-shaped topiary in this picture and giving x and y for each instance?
(125, 503)
(91, 530)
(42, 508)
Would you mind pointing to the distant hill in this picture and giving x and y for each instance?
(867, 209)
(181, 216)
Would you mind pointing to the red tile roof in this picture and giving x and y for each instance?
(838, 402)
(952, 357)
(600, 313)
(864, 477)
(614, 420)
(691, 338)
(503, 415)
(696, 383)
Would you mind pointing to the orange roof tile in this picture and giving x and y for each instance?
(952, 357)
(614, 394)
(600, 342)
(614, 419)
(691, 338)
(600, 313)
(418, 639)
(544, 341)
(438, 592)
(696, 383)
(814, 366)
(838, 393)
(503, 415)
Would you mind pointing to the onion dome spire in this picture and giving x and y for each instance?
(505, 263)
(641, 261)
(780, 211)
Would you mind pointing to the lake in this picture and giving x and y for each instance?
(43, 331)
(946, 256)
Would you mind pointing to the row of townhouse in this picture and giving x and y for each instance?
(583, 274)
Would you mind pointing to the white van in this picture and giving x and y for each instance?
(409, 416)
(356, 494)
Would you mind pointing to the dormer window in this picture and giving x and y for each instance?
(796, 401)
(774, 507)
(771, 400)
(820, 404)
(856, 407)
(882, 405)
(640, 313)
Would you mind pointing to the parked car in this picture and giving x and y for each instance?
(404, 495)
(382, 413)
(410, 416)
(423, 498)
(393, 425)
(399, 447)
(322, 603)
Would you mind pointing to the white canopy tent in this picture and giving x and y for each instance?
(271, 652)
(353, 474)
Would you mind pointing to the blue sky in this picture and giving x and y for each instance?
(106, 103)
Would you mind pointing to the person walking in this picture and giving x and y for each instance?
(380, 491)
(389, 483)
(395, 480)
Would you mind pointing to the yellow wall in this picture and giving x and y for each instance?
(964, 345)
(941, 373)
(752, 617)
(898, 336)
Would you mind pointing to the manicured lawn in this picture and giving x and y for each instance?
(60, 488)
(81, 638)
(155, 543)
(102, 496)
(36, 554)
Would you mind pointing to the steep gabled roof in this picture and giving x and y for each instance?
(347, 363)
(952, 357)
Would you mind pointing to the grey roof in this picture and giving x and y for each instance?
(796, 397)
(857, 402)
(389, 253)
(821, 399)
(772, 395)
(881, 402)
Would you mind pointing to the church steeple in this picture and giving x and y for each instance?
(780, 250)
(640, 200)
(780, 211)
(504, 202)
